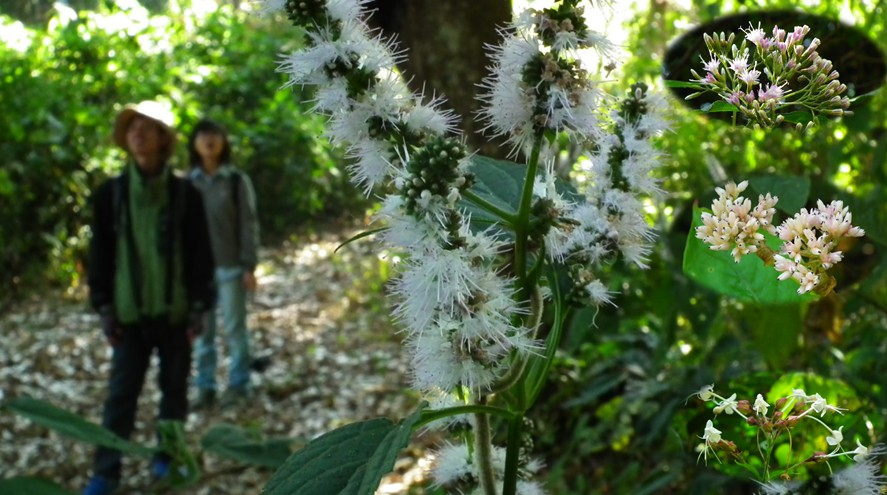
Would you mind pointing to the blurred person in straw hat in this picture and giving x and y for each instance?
(151, 278)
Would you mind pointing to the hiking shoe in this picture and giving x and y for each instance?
(159, 469)
(205, 399)
(100, 486)
(235, 397)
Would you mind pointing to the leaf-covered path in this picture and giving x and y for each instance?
(335, 359)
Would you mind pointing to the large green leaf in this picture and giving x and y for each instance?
(71, 425)
(792, 191)
(497, 182)
(749, 280)
(776, 330)
(30, 486)
(235, 443)
(347, 461)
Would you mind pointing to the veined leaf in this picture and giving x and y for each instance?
(232, 442)
(347, 461)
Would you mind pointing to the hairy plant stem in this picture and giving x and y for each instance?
(483, 454)
(520, 362)
(522, 224)
(512, 454)
(432, 416)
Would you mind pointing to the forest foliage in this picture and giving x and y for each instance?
(62, 85)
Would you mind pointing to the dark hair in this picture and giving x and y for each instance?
(212, 127)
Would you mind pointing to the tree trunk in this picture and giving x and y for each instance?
(446, 56)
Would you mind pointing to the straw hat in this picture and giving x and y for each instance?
(149, 109)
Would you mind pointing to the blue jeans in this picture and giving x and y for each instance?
(232, 306)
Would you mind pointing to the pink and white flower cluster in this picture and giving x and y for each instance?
(774, 76)
(810, 239)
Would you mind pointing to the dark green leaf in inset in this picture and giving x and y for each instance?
(718, 106)
(792, 191)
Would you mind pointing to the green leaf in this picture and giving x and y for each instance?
(233, 442)
(347, 461)
(775, 330)
(31, 486)
(718, 106)
(71, 425)
(681, 84)
(792, 190)
(748, 281)
(798, 117)
(498, 182)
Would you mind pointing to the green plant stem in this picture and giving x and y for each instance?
(509, 217)
(519, 362)
(432, 416)
(522, 223)
(551, 344)
(483, 454)
(512, 454)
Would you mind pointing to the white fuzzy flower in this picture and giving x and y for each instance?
(452, 464)
(862, 478)
(268, 7)
(346, 10)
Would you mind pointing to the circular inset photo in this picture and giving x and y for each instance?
(774, 69)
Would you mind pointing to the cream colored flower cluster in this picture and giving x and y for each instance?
(811, 238)
(733, 224)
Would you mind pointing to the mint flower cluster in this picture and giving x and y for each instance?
(810, 239)
(773, 425)
(775, 76)
(470, 298)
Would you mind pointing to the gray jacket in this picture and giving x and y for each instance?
(233, 228)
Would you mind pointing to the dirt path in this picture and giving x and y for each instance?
(335, 359)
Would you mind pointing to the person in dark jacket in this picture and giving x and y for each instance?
(151, 278)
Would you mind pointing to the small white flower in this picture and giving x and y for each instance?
(835, 438)
(761, 406)
(728, 405)
(706, 392)
(712, 435)
(861, 452)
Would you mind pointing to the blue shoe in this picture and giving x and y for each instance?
(160, 468)
(100, 486)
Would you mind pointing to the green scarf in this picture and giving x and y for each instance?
(142, 268)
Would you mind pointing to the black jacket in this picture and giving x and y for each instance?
(199, 268)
